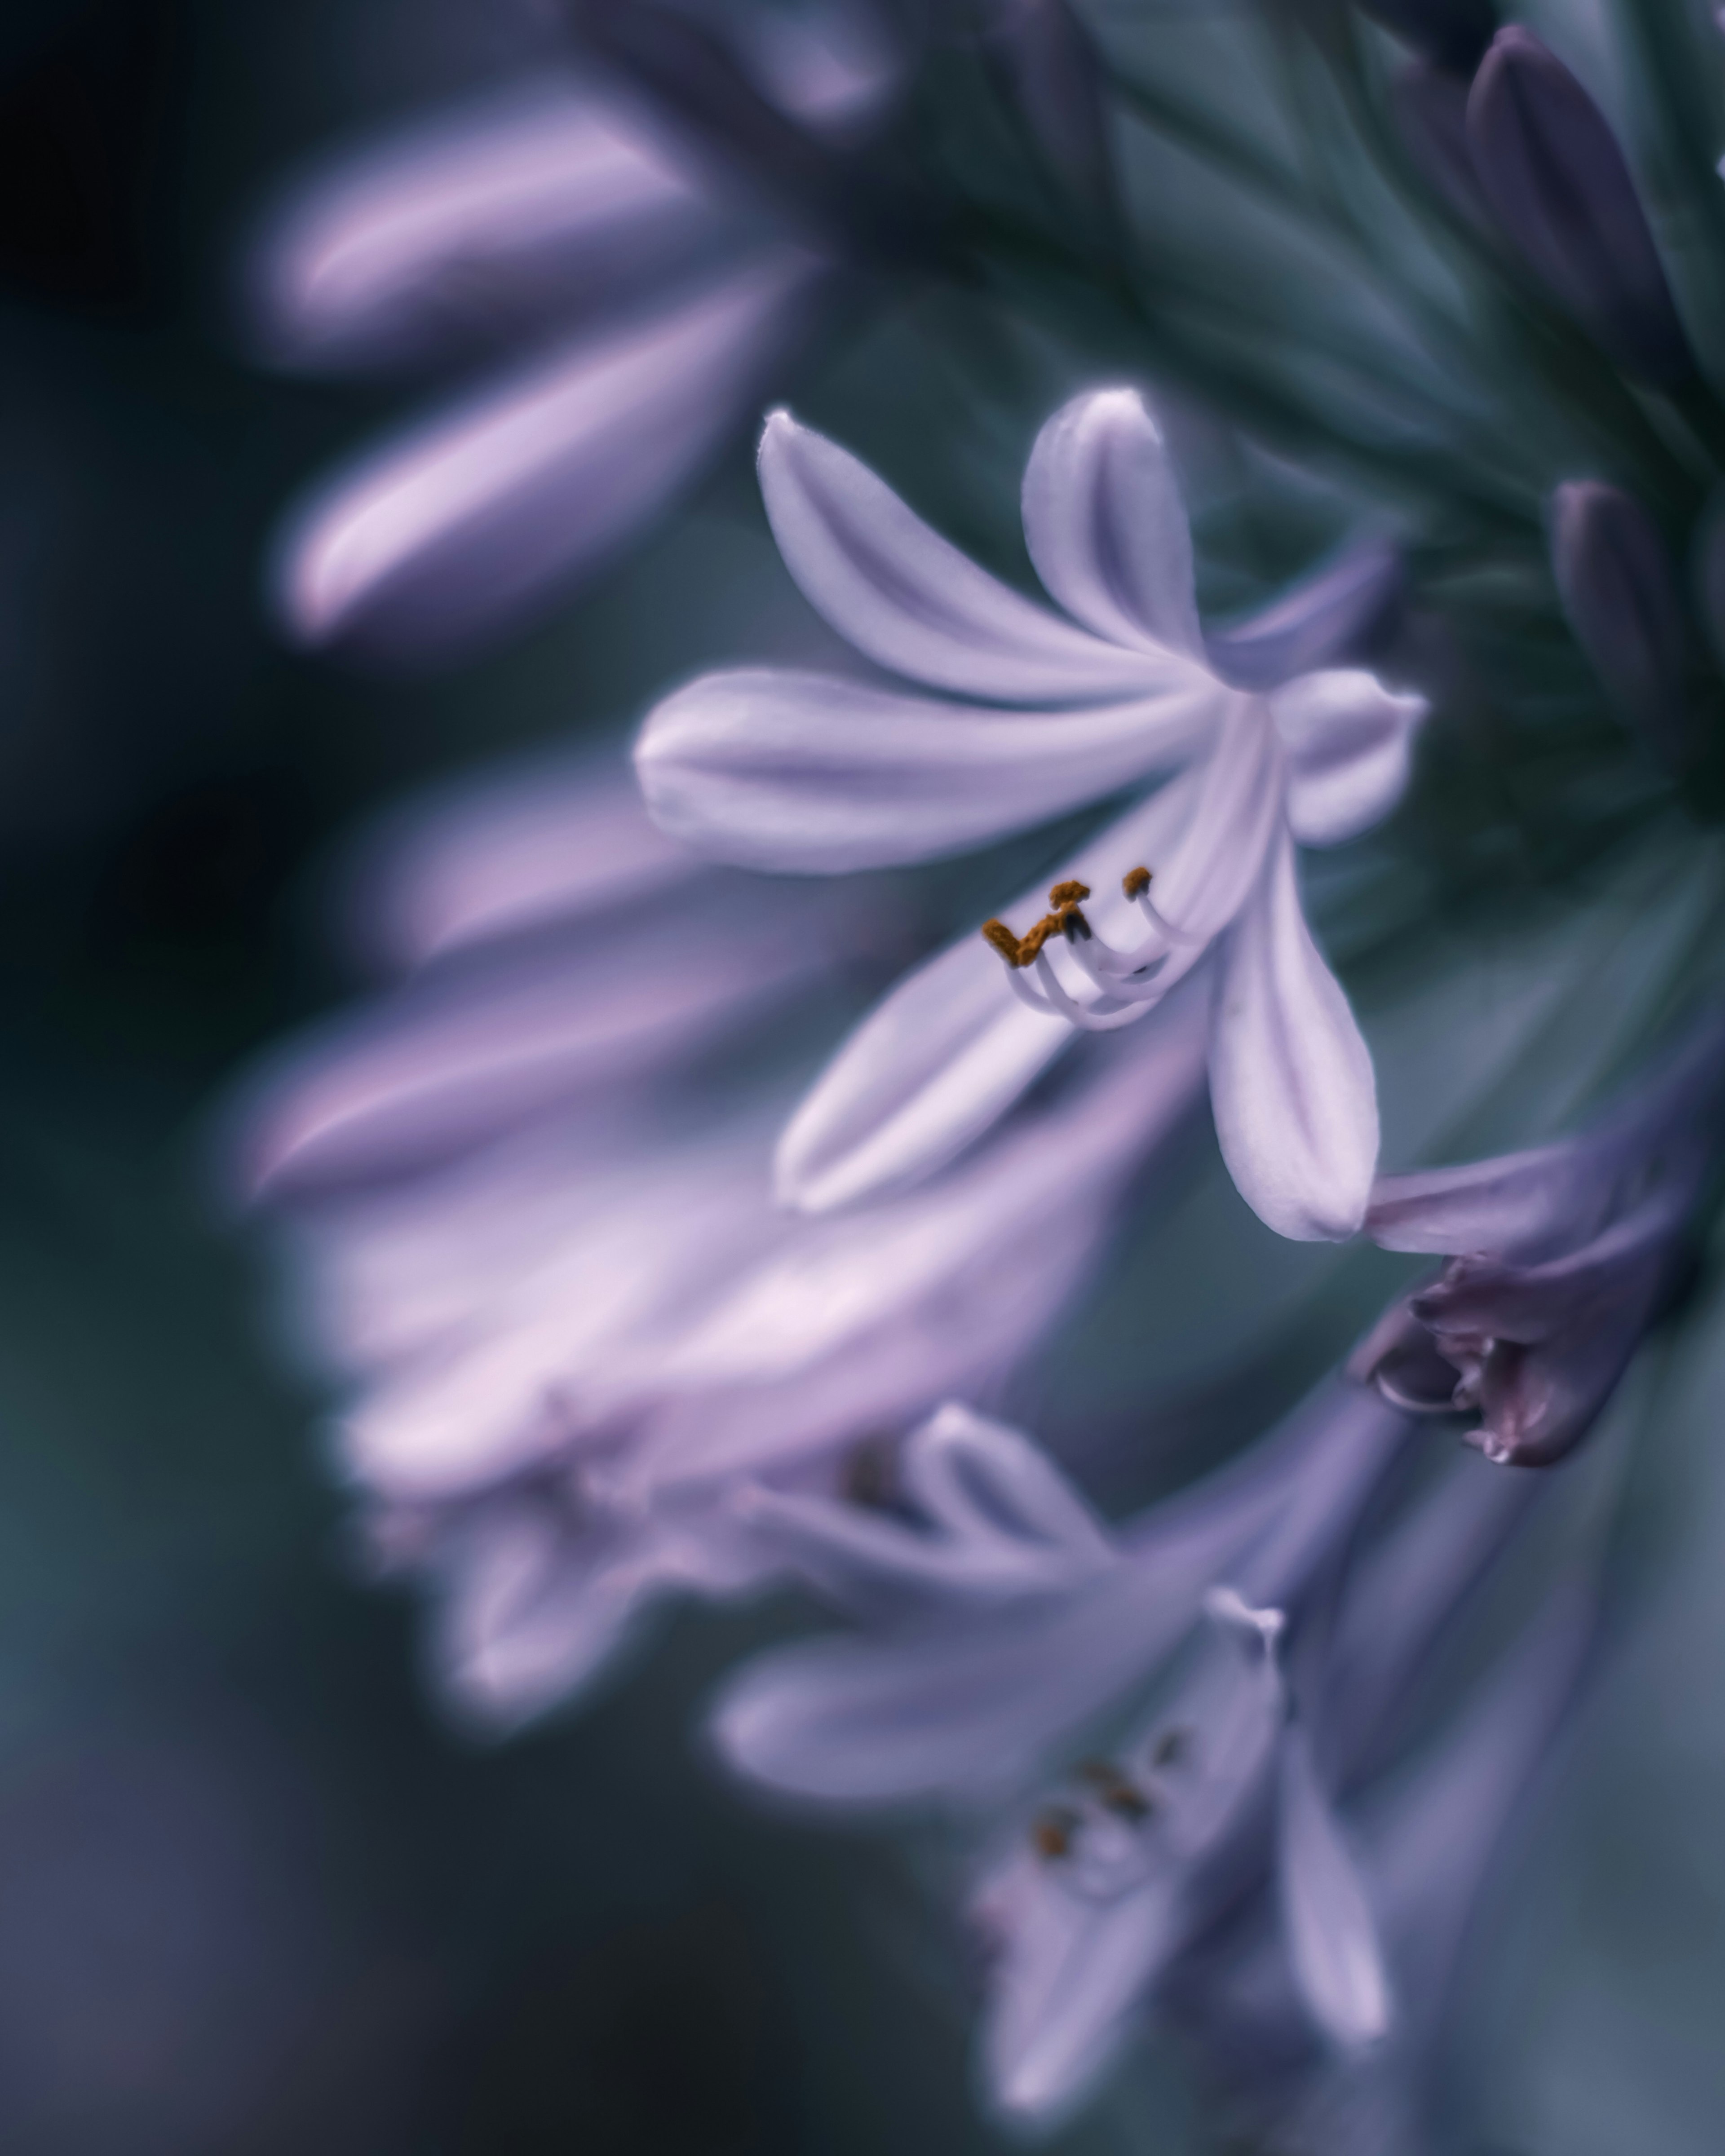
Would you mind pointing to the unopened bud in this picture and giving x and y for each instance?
(1430, 106)
(1452, 32)
(1621, 597)
(1552, 170)
(1049, 68)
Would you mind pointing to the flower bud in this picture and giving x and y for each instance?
(1619, 593)
(1049, 68)
(1430, 107)
(1452, 32)
(1553, 172)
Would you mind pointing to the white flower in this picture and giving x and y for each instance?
(565, 1316)
(639, 302)
(793, 771)
(1007, 1624)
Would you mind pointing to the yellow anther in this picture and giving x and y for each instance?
(1068, 894)
(1135, 882)
(1052, 1832)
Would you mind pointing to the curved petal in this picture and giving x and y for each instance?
(1106, 527)
(911, 602)
(1000, 1522)
(1327, 1917)
(1349, 741)
(514, 208)
(455, 527)
(445, 1066)
(1314, 623)
(781, 770)
(1292, 1086)
(951, 1048)
(556, 839)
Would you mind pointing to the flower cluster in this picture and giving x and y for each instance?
(655, 1240)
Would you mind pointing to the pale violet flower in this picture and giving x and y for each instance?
(783, 770)
(563, 1315)
(1005, 1626)
(638, 300)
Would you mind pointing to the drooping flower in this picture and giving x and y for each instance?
(642, 295)
(564, 1313)
(1559, 1260)
(1005, 1628)
(793, 771)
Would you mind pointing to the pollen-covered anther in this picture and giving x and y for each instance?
(1065, 920)
(1053, 1832)
(1136, 882)
(1115, 1791)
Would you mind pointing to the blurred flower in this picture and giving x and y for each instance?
(657, 291)
(1561, 1260)
(1618, 586)
(1552, 169)
(1050, 70)
(1428, 1844)
(568, 1313)
(793, 771)
(964, 1691)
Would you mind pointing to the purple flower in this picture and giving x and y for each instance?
(641, 301)
(1552, 170)
(1560, 1260)
(801, 772)
(1005, 1626)
(565, 1318)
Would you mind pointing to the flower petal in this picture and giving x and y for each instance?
(556, 839)
(1000, 1522)
(492, 218)
(1106, 526)
(950, 1049)
(1332, 1937)
(1314, 623)
(911, 601)
(783, 770)
(1350, 747)
(445, 1064)
(459, 525)
(1292, 1086)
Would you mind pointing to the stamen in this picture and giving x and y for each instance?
(1065, 920)
(1136, 882)
(1053, 1832)
(1116, 1792)
(1171, 1747)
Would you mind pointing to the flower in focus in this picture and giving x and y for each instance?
(791, 771)
(639, 293)
(1559, 1260)
(564, 1311)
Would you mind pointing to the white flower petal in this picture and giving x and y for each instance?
(455, 527)
(951, 1048)
(911, 601)
(445, 1064)
(1332, 1937)
(1106, 527)
(1350, 745)
(964, 1711)
(555, 839)
(517, 206)
(1291, 1087)
(781, 770)
(1313, 623)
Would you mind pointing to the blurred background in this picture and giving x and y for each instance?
(254, 1896)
